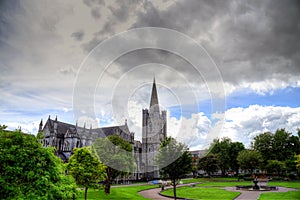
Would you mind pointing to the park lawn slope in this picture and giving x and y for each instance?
(126, 192)
(288, 184)
(224, 184)
(202, 193)
(290, 195)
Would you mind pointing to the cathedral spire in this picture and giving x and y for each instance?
(154, 98)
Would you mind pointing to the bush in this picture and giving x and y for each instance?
(277, 178)
(291, 176)
(248, 179)
(240, 176)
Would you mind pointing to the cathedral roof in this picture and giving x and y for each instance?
(62, 128)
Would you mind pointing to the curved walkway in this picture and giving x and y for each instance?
(245, 195)
(254, 195)
(154, 193)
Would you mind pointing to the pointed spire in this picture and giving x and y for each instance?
(56, 118)
(154, 98)
(41, 123)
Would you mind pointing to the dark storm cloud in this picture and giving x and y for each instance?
(95, 13)
(251, 41)
(78, 35)
(92, 3)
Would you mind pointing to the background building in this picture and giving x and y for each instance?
(65, 137)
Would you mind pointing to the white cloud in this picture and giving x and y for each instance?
(192, 131)
(30, 127)
(243, 124)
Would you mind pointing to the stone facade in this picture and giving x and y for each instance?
(153, 132)
(65, 137)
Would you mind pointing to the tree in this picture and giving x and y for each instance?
(116, 154)
(29, 171)
(86, 169)
(174, 161)
(249, 160)
(298, 161)
(227, 152)
(281, 144)
(275, 166)
(234, 150)
(221, 148)
(264, 144)
(209, 163)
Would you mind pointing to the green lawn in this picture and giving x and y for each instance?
(202, 193)
(126, 192)
(205, 190)
(291, 195)
(288, 184)
(224, 184)
(192, 180)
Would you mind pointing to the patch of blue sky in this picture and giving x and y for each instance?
(288, 97)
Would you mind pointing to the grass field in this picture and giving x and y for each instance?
(193, 180)
(202, 193)
(224, 184)
(291, 195)
(288, 184)
(208, 189)
(126, 192)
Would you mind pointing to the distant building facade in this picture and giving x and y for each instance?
(65, 137)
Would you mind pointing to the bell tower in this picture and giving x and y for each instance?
(153, 132)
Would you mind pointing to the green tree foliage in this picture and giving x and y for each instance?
(297, 161)
(227, 152)
(275, 166)
(174, 160)
(29, 171)
(281, 146)
(264, 144)
(116, 154)
(209, 163)
(234, 150)
(2, 127)
(86, 169)
(249, 160)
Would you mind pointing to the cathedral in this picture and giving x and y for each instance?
(153, 132)
(65, 137)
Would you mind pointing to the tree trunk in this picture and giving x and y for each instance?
(107, 181)
(107, 188)
(85, 193)
(174, 188)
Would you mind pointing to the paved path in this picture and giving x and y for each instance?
(153, 194)
(254, 195)
(245, 195)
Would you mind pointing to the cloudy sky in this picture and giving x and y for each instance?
(222, 68)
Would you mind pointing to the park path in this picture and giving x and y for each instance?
(154, 193)
(254, 195)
